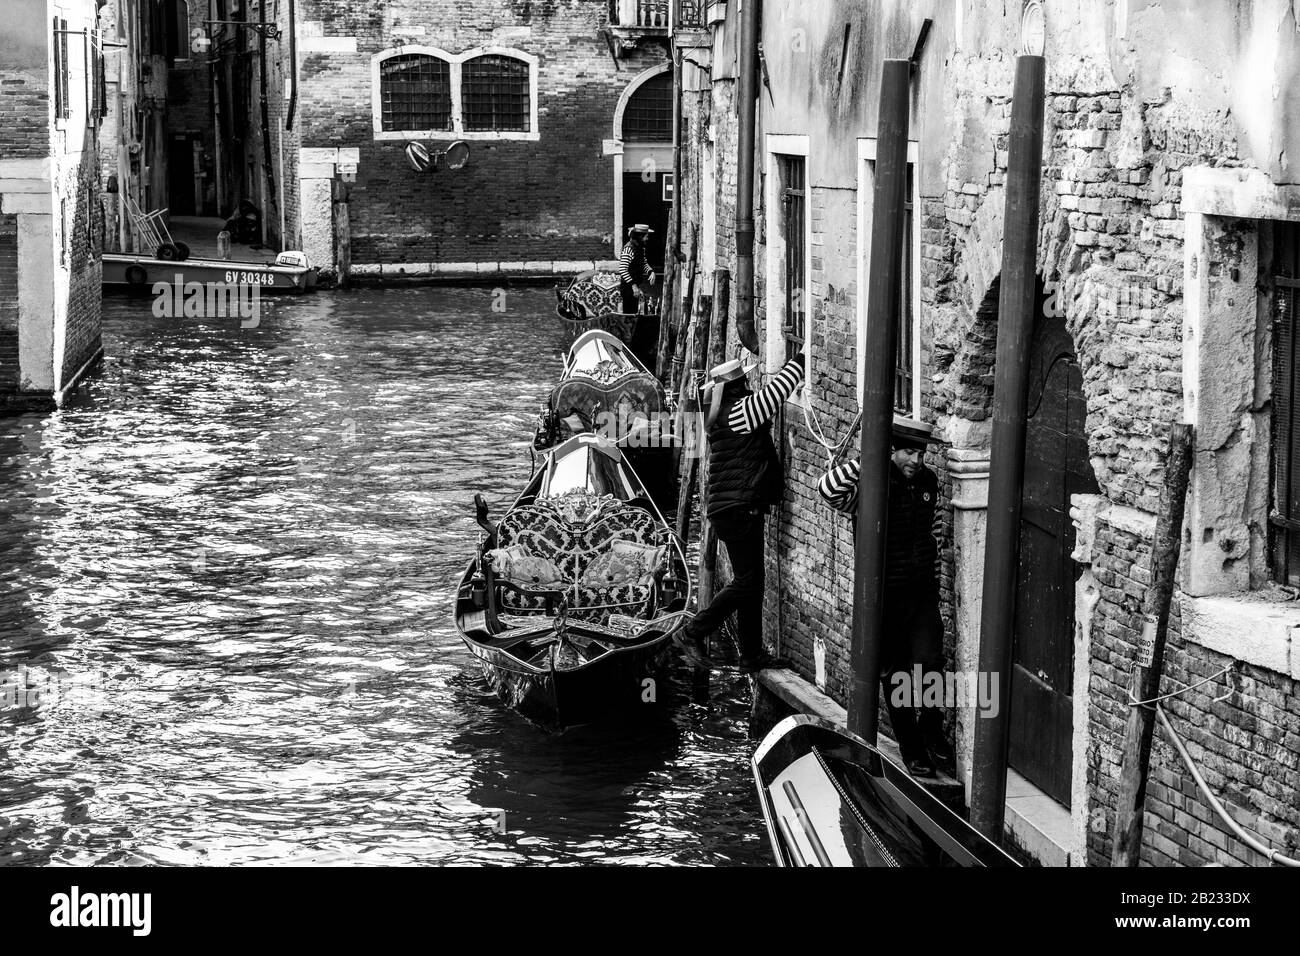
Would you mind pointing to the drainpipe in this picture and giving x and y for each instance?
(293, 65)
(746, 95)
(268, 168)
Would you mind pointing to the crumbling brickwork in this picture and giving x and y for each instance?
(1112, 258)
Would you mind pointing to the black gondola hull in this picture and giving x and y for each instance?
(831, 799)
(620, 681)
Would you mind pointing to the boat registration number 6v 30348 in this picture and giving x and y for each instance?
(250, 278)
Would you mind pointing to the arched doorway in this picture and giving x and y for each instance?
(643, 124)
(1056, 467)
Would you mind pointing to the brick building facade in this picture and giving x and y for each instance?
(1166, 252)
(51, 215)
(525, 85)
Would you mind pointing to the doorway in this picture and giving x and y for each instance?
(180, 174)
(1056, 467)
(643, 123)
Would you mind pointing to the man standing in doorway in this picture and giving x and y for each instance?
(635, 275)
(634, 270)
(913, 632)
(745, 479)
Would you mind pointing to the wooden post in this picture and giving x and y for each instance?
(697, 341)
(686, 316)
(1007, 465)
(877, 373)
(707, 577)
(1149, 664)
(668, 300)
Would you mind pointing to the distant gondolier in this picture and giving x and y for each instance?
(745, 479)
(634, 270)
(913, 633)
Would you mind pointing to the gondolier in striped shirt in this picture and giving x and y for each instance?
(634, 270)
(745, 478)
(913, 633)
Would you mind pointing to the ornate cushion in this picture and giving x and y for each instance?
(516, 565)
(604, 551)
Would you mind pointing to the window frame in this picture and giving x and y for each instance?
(62, 70)
(778, 146)
(454, 63)
(866, 188)
(451, 101)
(1283, 547)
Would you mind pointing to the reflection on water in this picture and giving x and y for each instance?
(227, 565)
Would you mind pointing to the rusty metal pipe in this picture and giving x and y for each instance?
(747, 97)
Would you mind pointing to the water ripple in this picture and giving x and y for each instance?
(227, 564)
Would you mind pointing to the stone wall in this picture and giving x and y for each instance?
(517, 200)
(1122, 126)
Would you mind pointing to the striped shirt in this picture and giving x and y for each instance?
(633, 251)
(753, 410)
(839, 486)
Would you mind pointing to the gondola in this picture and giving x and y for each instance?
(571, 601)
(831, 799)
(593, 300)
(605, 389)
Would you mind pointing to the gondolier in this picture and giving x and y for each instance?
(634, 270)
(913, 632)
(745, 479)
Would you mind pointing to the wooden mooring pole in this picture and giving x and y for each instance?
(877, 376)
(717, 354)
(1007, 466)
(1149, 664)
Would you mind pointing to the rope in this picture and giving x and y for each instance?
(1156, 700)
(1273, 855)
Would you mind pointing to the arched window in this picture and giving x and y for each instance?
(487, 93)
(648, 117)
(415, 92)
(495, 94)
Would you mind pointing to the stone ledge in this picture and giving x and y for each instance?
(1257, 627)
(1039, 826)
(462, 271)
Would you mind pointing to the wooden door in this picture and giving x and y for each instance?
(1056, 467)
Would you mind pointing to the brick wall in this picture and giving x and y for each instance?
(9, 370)
(1111, 245)
(516, 200)
(85, 247)
(1247, 747)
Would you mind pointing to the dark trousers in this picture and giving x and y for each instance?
(740, 531)
(630, 303)
(913, 635)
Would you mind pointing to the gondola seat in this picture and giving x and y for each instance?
(605, 551)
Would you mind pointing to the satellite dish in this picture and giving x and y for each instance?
(456, 155)
(418, 155)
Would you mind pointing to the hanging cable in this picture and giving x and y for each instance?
(1273, 855)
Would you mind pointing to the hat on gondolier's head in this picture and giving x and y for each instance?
(909, 433)
(719, 376)
(640, 229)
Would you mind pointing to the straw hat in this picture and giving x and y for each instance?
(719, 376)
(910, 433)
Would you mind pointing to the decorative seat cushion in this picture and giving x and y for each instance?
(522, 569)
(603, 550)
(626, 562)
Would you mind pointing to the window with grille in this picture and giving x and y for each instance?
(62, 106)
(415, 92)
(793, 212)
(648, 117)
(495, 94)
(1285, 517)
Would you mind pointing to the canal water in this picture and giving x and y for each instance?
(225, 634)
